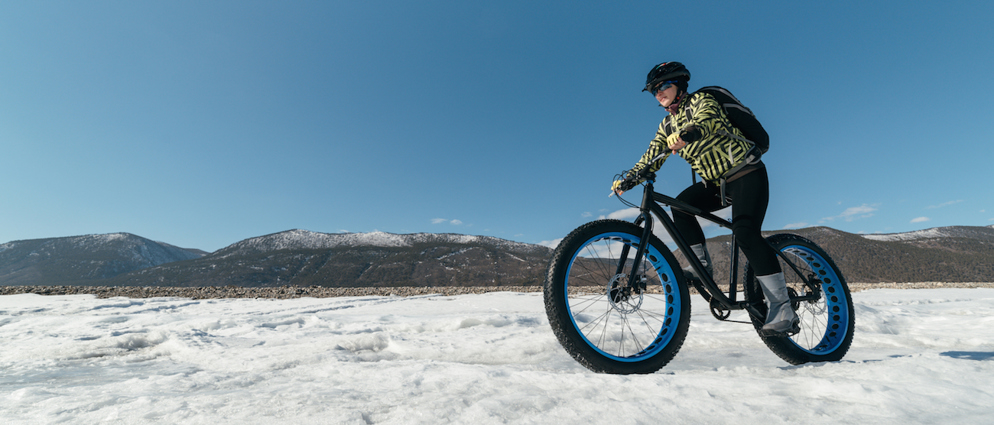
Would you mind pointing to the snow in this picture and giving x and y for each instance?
(304, 239)
(919, 356)
(969, 232)
(908, 236)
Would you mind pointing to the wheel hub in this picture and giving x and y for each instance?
(623, 298)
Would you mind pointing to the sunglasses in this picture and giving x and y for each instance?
(662, 86)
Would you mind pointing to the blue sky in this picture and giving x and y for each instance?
(204, 123)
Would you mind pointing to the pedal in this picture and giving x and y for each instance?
(795, 329)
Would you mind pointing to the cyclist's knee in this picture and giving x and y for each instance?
(745, 225)
(747, 233)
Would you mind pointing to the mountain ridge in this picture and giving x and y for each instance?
(82, 259)
(942, 254)
(305, 239)
(306, 258)
(376, 259)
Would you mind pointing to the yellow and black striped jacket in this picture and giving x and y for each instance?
(714, 146)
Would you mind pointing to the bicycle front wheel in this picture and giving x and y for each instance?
(601, 320)
(827, 323)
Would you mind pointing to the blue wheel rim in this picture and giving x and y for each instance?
(835, 324)
(667, 305)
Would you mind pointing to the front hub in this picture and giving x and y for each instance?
(623, 298)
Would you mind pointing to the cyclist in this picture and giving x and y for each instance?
(698, 130)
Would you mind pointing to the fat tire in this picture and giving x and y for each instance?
(827, 325)
(637, 335)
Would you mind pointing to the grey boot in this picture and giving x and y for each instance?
(781, 317)
(701, 251)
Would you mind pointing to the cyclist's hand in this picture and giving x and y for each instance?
(674, 142)
(620, 186)
(616, 187)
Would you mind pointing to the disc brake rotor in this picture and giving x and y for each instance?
(622, 298)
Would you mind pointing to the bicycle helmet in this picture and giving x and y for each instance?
(667, 71)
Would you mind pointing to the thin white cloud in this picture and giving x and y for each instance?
(920, 219)
(625, 214)
(796, 225)
(445, 220)
(854, 213)
(551, 244)
(944, 204)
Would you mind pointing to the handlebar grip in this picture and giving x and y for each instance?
(627, 184)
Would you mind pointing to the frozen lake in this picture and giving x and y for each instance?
(919, 356)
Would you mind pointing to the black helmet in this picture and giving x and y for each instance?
(667, 71)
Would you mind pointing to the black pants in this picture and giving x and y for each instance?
(749, 196)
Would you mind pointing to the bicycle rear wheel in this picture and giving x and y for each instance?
(828, 323)
(602, 322)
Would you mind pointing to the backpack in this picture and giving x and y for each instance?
(740, 117)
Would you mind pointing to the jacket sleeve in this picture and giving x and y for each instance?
(705, 117)
(653, 158)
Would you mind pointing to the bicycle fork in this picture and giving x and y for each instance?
(636, 281)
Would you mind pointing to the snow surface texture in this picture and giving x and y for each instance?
(919, 356)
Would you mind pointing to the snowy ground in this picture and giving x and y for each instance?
(920, 356)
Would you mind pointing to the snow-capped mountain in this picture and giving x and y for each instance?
(292, 257)
(944, 254)
(981, 233)
(304, 258)
(83, 259)
(304, 239)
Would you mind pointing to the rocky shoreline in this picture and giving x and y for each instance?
(286, 292)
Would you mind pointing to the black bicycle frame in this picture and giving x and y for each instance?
(650, 205)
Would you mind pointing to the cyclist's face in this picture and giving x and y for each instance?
(666, 97)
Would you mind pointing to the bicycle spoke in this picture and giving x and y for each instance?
(593, 324)
(642, 315)
(590, 303)
(609, 316)
(826, 317)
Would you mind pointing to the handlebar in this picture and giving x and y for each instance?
(630, 181)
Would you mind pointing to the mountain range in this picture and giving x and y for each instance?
(294, 257)
(942, 254)
(377, 259)
(83, 260)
